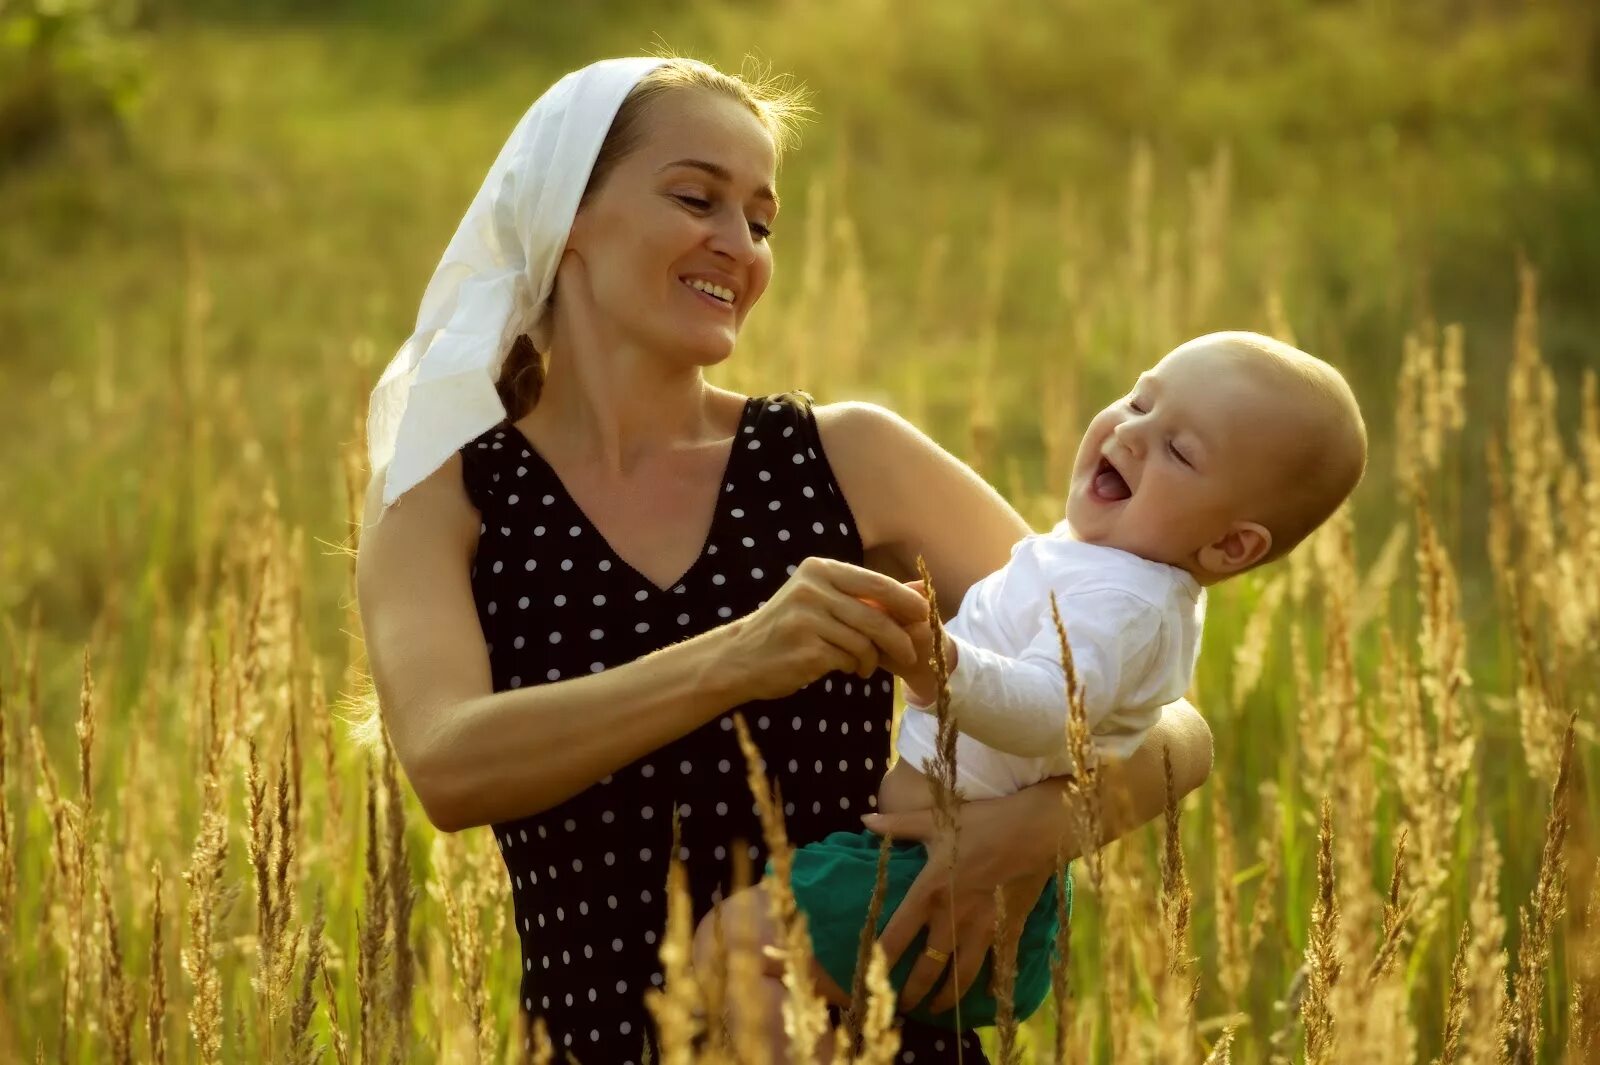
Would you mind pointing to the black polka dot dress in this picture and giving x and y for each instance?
(588, 876)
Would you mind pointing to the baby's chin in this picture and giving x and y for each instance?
(1124, 537)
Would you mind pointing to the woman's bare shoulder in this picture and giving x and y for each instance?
(910, 496)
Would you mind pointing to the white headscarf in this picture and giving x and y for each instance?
(494, 279)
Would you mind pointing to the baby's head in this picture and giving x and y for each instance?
(1226, 454)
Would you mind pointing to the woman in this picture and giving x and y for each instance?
(599, 557)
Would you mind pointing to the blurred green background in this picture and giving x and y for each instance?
(216, 220)
(203, 196)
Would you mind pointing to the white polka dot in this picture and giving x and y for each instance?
(844, 766)
(492, 606)
(511, 498)
(605, 565)
(643, 626)
(783, 534)
(683, 810)
(818, 766)
(522, 471)
(756, 573)
(566, 565)
(683, 619)
(844, 803)
(754, 852)
(722, 809)
(516, 682)
(641, 595)
(845, 727)
(647, 771)
(794, 766)
(816, 526)
(795, 724)
(748, 542)
(737, 512)
(594, 1033)
(647, 813)
(822, 726)
(538, 530)
(622, 989)
(498, 566)
(848, 687)
(816, 807)
(749, 429)
(518, 642)
(644, 896)
(774, 407)
(608, 817)
(844, 530)
(599, 600)
(798, 459)
(527, 965)
(522, 604)
(679, 590)
(504, 531)
(684, 767)
(547, 500)
(867, 725)
(788, 808)
(720, 852)
(808, 492)
(560, 600)
(597, 667)
(764, 475)
(625, 1028)
(555, 637)
(583, 908)
(763, 721)
(723, 612)
(554, 674)
(727, 724)
(711, 550)
(574, 531)
(723, 765)
(827, 685)
(727, 488)
(774, 505)
(716, 578)
(616, 945)
(610, 858)
(541, 920)
(790, 569)
(596, 634)
(530, 565)
(611, 901)
(649, 935)
(754, 444)
(527, 1003)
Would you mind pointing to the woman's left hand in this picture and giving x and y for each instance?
(955, 902)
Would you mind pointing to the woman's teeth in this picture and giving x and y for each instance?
(716, 291)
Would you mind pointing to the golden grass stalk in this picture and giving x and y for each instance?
(401, 898)
(1250, 654)
(303, 1048)
(1455, 1014)
(116, 993)
(1322, 953)
(372, 957)
(1232, 965)
(336, 1035)
(458, 894)
(1178, 986)
(805, 1014)
(857, 1015)
(1583, 962)
(677, 1006)
(1061, 966)
(206, 903)
(1522, 1024)
(1083, 790)
(8, 846)
(1003, 980)
(1395, 912)
(1222, 1052)
(156, 1008)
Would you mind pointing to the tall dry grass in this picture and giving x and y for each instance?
(197, 865)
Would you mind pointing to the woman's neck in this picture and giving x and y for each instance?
(614, 408)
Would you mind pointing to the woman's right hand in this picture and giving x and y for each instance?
(818, 622)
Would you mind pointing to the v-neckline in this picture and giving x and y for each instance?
(724, 481)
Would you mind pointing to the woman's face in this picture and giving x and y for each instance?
(673, 243)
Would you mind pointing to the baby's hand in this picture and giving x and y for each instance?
(922, 683)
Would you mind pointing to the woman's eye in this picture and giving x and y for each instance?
(1177, 454)
(760, 232)
(694, 201)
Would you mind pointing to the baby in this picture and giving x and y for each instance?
(1225, 455)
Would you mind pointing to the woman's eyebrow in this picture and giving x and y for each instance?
(721, 173)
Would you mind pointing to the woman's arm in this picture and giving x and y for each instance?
(909, 496)
(1013, 842)
(475, 756)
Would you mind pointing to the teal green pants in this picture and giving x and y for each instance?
(832, 881)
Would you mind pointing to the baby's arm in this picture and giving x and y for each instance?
(1018, 704)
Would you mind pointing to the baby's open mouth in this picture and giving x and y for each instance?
(1109, 485)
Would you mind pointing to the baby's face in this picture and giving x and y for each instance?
(1168, 468)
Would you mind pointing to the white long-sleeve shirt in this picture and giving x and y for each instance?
(1134, 629)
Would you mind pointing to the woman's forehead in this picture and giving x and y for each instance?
(706, 126)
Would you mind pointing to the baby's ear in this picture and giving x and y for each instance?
(1242, 546)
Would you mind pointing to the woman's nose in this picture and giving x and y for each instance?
(730, 235)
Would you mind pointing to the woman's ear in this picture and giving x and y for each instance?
(1242, 546)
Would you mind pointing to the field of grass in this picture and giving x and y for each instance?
(1000, 211)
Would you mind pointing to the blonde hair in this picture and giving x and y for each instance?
(775, 99)
(1316, 472)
